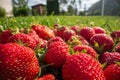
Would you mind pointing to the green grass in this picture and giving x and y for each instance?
(110, 23)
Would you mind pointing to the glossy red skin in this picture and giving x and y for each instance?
(82, 67)
(109, 57)
(87, 32)
(47, 77)
(76, 29)
(55, 39)
(18, 62)
(34, 36)
(60, 31)
(67, 34)
(102, 39)
(43, 31)
(5, 35)
(89, 50)
(116, 34)
(57, 53)
(24, 38)
(117, 47)
(77, 39)
(112, 72)
(99, 30)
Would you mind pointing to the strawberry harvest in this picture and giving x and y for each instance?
(59, 53)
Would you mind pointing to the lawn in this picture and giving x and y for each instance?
(110, 23)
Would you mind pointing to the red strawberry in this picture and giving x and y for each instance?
(82, 67)
(102, 42)
(85, 49)
(87, 32)
(43, 43)
(17, 62)
(112, 72)
(47, 77)
(99, 30)
(117, 47)
(40, 41)
(76, 40)
(24, 38)
(5, 35)
(67, 34)
(43, 31)
(57, 54)
(55, 39)
(56, 26)
(76, 29)
(116, 35)
(60, 31)
(109, 57)
(34, 36)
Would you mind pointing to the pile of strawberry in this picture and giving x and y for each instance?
(61, 53)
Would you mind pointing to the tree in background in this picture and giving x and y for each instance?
(20, 8)
(2, 12)
(73, 6)
(53, 7)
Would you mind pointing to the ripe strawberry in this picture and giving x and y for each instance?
(17, 62)
(99, 30)
(67, 34)
(117, 47)
(57, 54)
(76, 29)
(55, 39)
(109, 57)
(82, 67)
(43, 43)
(60, 31)
(116, 35)
(47, 77)
(5, 35)
(87, 32)
(112, 72)
(43, 31)
(86, 49)
(56, 26)
(77, 40)
(102, 42)
(24, 38)
(34, 36)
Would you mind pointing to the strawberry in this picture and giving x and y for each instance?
(99, 30)
(76, 40)
(5, 35)
(76, 29)
(24, 38)
(34, 36)
(102, 42)
(47, 77)
(112, 72)
(109, 57)
(43, 43)
(55, 39)
(85, 49)
(43, 31)
(67, 34)
(57, 53)
(60, 31)
(116, 35)
(87, 32)
(82, 67)
(17, 62)
(117, 47)
(56, 26)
